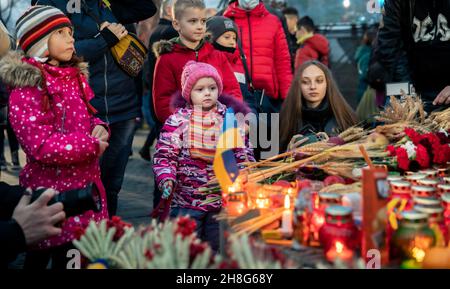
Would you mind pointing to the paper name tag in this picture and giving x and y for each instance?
(240, 77)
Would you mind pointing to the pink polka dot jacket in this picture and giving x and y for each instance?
(54, 134)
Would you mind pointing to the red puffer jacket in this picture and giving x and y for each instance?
(265, 45)
(172, 57)
(315, 48)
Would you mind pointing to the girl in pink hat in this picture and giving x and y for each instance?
(185, 150)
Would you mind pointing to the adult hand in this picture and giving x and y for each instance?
(100, 133)
(118, 30)
(443, 97)
(103, 146)
(38, 220)
(104, 25)
(296, 141)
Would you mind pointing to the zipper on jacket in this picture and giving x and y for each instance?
(58, 169)
(106, 88)
(196, 55)
(250, 42)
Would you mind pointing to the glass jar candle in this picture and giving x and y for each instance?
(412, 238)
(322, 202)
(394, 178)
(236, 204)
(401, 190)
(443, 172)
(430, 174)
(436, 222)
(432, 183)
(443, 189)
(446, 204)
(422, 191)
(413, 178)
(339, 236)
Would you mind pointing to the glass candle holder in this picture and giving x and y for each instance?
(413, 178)
(412, 238)
(339, 236)
(422, 191)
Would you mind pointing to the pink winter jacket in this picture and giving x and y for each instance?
(173, 160)
(60, 152)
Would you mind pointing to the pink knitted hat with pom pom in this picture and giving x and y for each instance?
(193, 72)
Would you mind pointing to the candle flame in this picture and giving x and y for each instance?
(287, 202)
(232, 189)
(289, 191)
(418, 254)
(339, 247)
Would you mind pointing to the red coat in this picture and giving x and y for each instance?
(265, 45)
(167, 78)
(236, 65)
(315, 48)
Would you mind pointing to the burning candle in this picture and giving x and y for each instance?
(286, 224)
(339, 251)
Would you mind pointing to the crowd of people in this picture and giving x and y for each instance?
(73, 110)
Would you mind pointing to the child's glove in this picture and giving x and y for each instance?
(167, 189)
(161, 212)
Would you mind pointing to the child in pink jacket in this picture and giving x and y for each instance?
(186, 147)
(54, 122)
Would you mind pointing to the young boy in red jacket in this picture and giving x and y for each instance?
(190, 23)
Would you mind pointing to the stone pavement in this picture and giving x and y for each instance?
(135, 198)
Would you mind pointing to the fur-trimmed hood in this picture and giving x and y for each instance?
(15, 71)
(162, 47)
(238, 106)
(174, 45)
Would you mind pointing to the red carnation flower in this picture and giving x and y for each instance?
(195, 249)
(402, 159)
(441, 154)
(422, 157)
(232, 264)
(413, 135)
(149, 255)
(186, 226)
(391, 150)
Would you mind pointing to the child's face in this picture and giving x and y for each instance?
(192, 24)
(228, 39)
(61, 45)
(314, 85)
(205, 93)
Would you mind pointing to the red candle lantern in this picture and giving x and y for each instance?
(321, 202)
(443, 189)
(432, 183)
(430, 174)
(446, 202)
(422, 191)
(402, 191)
(413, 178)
(339, 236)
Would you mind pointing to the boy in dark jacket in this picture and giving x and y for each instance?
(190, 22)
(223, 34)
(115, 91)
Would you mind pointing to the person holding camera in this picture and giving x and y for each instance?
(54, 121)
(314, 104)
(24, 223)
